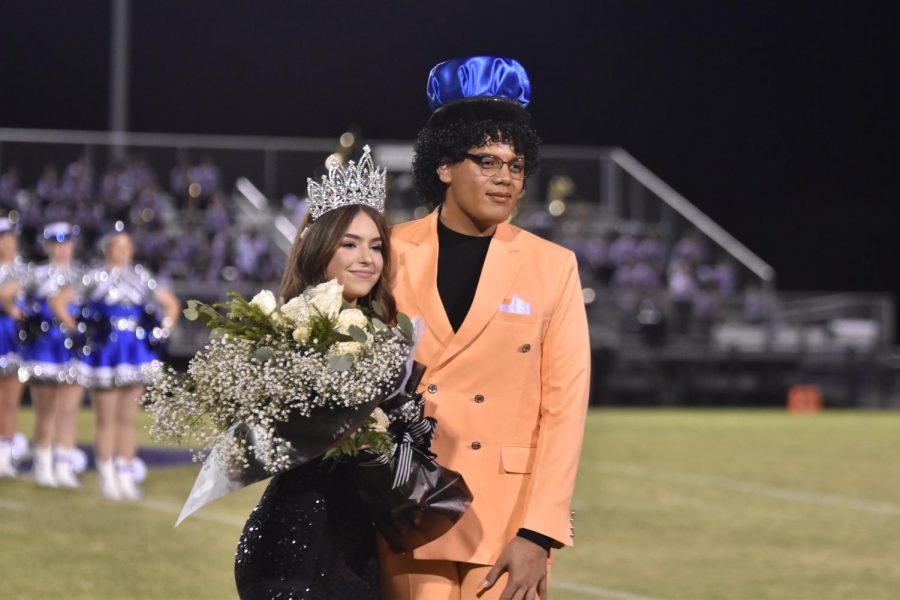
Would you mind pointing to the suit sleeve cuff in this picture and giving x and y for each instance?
(538, 538)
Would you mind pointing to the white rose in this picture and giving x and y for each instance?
(326, 297)
(381, 421)
(350, 317)
(265, 301)
(351, 348)
(301, 334)
(297, 310)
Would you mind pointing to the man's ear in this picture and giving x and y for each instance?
(443, 173)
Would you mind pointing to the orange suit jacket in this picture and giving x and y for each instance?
(509, 390)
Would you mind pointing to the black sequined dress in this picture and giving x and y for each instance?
(309, 538)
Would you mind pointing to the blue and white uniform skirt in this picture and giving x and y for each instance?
(48, 355)
(119, 352)
(10, 351)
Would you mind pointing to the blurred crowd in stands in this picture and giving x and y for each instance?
(660, 287)
(186, 230)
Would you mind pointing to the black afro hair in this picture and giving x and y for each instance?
(448, 144)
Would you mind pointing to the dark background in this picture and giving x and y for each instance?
(778, 119)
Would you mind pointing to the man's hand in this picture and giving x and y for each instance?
(526, 563)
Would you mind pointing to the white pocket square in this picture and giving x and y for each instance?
(516, 306)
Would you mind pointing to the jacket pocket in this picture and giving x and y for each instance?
(519, 319)
(517, 459)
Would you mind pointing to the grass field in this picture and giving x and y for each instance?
(670, 505)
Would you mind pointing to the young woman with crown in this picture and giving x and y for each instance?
(310, 536)
(50, 357)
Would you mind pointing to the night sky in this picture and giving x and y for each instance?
(778, 119)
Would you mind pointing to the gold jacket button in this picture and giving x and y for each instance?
(476, 445)
(479, 398)
(432, 389)
(525, 348)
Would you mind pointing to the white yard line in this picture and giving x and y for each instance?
(597, 591)
(747, 487)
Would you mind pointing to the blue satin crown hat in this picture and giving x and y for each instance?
(478, 88)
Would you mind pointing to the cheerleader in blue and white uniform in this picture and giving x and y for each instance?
(117, 297)
(50, 358)
(12, 273)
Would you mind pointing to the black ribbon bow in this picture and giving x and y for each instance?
(408, 435)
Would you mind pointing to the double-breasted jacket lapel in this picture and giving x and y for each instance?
(497, 276)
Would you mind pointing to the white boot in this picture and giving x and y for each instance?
(7, 466)
(43, 467)
(65, 475)
(109, 487)
(125, 476)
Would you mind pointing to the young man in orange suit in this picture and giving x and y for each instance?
(506, 346)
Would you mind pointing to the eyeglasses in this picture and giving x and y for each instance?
(491, 165)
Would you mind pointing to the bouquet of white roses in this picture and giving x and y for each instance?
(280, 384)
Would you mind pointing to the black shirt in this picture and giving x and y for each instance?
(460, 259)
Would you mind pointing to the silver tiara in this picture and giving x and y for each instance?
(346, 186)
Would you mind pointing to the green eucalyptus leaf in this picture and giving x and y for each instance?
(379, 325)
(263, 354)
(379, 310)
(405, 325)
(340, 363)
(357, 334)
(190, 313)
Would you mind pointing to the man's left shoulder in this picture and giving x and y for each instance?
(538, 246)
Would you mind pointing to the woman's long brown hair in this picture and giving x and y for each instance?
(311, 254)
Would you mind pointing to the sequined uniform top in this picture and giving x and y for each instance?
(47, 279)
(129, 286)
(17, 269)
(309, 538)
(118, 326)
(48, 353)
